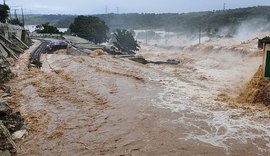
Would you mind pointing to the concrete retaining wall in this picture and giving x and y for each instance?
(8, 30)
(13, 41)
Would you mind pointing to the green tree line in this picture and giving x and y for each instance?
(184, 22)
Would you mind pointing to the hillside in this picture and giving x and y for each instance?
(210, 21)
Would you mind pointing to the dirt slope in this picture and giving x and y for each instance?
(257, 90)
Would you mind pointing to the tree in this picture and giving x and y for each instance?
(125, 41)
(90, 28)
(46, 28)
(4, 12)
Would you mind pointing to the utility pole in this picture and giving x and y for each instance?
(117, 10)
(106, 9)
(224, 6)
(22, 16)
(4, 1)
(16, 17)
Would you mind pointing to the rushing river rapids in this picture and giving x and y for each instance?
(103, 105)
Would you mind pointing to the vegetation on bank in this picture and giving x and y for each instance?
(90, 28)
(4, 9)
(46, 28)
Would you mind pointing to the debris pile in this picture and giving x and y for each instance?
(257, 90)
(144, 61)
(11, 128)
(139, 60)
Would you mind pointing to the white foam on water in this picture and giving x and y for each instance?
(196, 103)
(223, 128)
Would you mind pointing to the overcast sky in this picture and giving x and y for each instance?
(127, 6)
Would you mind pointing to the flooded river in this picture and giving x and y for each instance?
(104, 105)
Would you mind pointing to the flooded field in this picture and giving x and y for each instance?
(104, 105)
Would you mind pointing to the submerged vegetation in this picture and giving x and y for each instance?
(125, 41)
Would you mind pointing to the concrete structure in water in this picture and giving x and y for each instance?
(266, 63)
(265, 45)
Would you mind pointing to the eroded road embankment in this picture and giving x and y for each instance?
(83, 105)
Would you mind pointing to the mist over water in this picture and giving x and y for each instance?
(247, 30)
(251, 28)
(218, 64)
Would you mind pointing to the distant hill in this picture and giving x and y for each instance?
(209, 21)
(36, 19)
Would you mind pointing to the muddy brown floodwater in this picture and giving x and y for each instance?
(102, 105)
